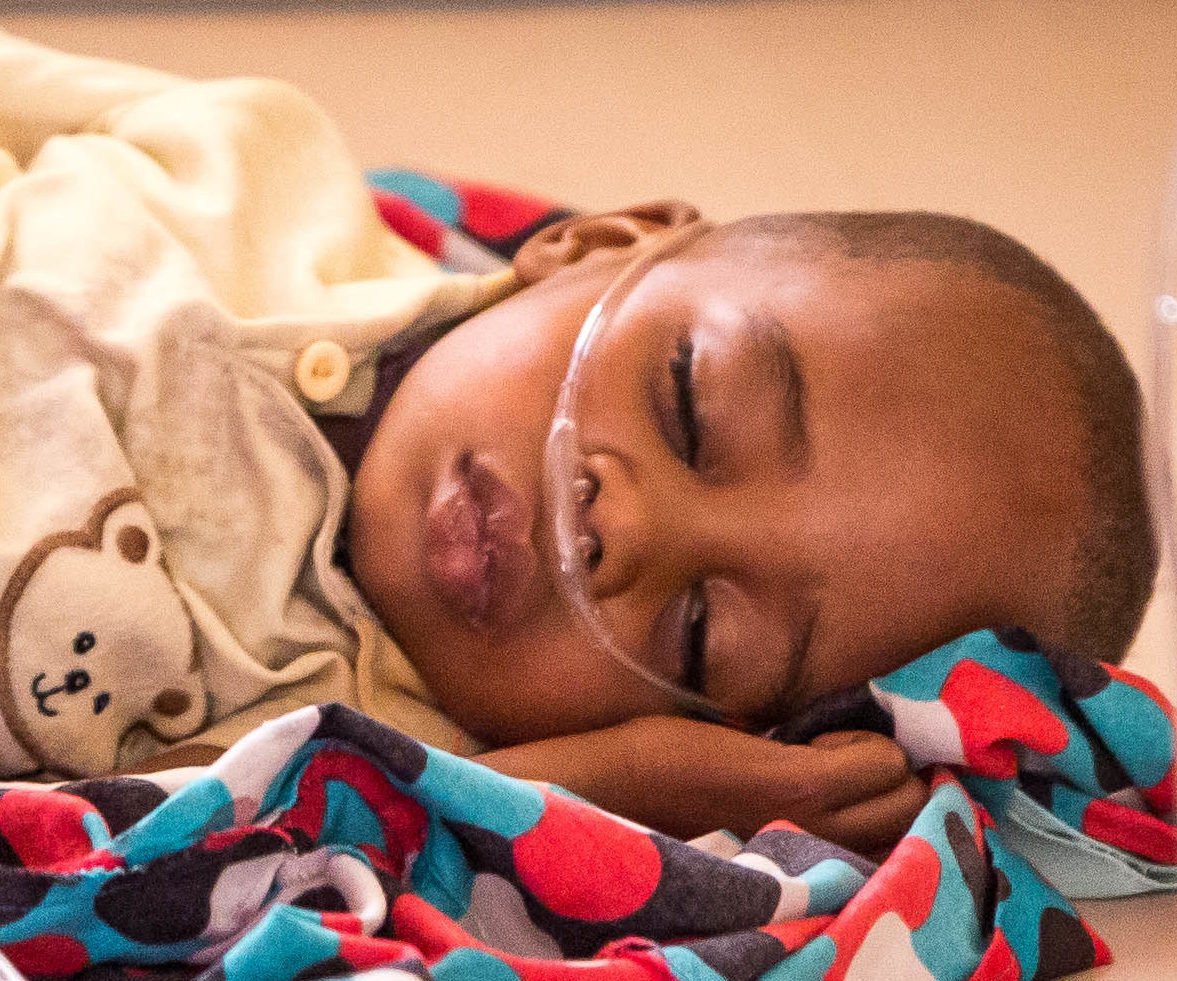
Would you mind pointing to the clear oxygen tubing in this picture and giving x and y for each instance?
(564, 465)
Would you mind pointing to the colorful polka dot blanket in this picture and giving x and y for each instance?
(325, 844)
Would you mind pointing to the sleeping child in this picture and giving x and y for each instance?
(258, 452)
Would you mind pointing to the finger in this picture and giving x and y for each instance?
(865, 764)
(730, 779)
(871, 825)
(839, 738)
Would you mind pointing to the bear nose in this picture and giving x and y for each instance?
(76, 680)
(171, 702)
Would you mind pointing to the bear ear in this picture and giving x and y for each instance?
(130, 533)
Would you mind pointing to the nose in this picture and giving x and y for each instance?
(76, 681)
(640, 525)
(176, 712)
(663, 525)
(613, 525)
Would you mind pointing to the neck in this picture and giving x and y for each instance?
(349, 436)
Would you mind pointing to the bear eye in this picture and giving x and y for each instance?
(83, 642)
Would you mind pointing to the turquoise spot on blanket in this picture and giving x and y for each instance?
(832, 883)
(923, 678)
(1068, 805)
(282, 792)
(349, 819)
(440, 875)
(1135, 728)
(953, 911)
(811, 961)
(688, 966)
(426, 194)
(286, 941)
(472, 965)
(1019, 914)
(61, 911)
(198, 808)
(993, 795)
(96, 829)
(461, 790)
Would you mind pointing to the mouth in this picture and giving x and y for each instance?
(478, 552)
(43, 697)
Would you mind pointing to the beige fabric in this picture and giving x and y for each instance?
(167, 506)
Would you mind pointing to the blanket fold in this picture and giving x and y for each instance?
(325, 844)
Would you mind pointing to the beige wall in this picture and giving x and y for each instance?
(1053, 119)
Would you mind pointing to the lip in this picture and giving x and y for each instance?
(478, 551)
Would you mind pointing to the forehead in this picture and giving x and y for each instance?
(952, 306)
(920, 342)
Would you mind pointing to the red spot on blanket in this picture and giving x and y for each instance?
(1103, 953)
(48, 956)
(97, 859)
(218, 841)
(1140, 834)
(795, 934)
(45, 830)
(905, 884)
(410, 222)
(584, 864)
(780, 824)
(1162, 798)
(342, 923)
(1142, 685)
(998, 963)
(363, 952)
(493, 212)
(433, 933)
(993, 713)
(642, 957)
(402, 820)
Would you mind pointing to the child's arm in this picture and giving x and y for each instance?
(686, 778)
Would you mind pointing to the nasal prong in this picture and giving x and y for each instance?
(586, 488)
(589, 547)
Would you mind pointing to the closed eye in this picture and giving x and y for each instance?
(684, 400)
(694, 641)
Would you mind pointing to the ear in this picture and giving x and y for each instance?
(130, 533)
(568, 241)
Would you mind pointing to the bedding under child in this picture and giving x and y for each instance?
(325, 844)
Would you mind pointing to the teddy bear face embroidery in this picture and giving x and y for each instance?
(94, 641)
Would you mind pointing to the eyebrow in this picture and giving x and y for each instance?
(795, 436)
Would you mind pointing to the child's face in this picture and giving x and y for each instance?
(884, 460)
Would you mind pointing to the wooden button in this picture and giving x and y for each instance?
(322, 370)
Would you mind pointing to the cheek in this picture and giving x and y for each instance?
(546, 680)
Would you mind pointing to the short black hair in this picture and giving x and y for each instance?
(1117, 555)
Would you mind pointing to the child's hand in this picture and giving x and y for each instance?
(686, 778)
